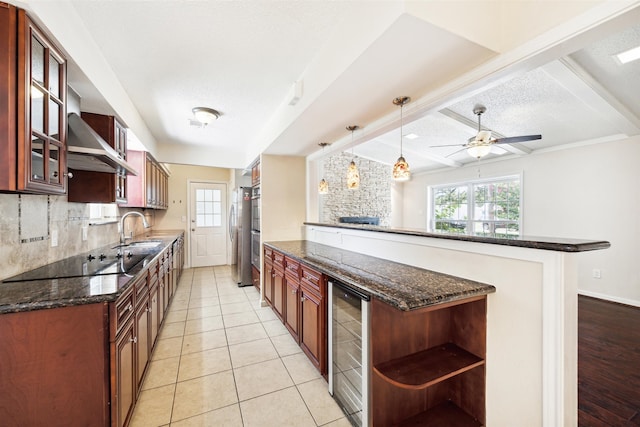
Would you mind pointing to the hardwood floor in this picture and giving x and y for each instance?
(608, 364)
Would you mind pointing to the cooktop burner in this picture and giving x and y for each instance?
(97, 264)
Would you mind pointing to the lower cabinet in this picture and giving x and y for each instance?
(297, 294)
(123, 382)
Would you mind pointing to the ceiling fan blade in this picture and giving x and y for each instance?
(450, 145)
(455, 152)
(511, 140)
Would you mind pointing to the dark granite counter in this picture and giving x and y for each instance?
(402, 286)
(60, 290)
(532, 242)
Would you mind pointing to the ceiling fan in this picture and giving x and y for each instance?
(480, 145)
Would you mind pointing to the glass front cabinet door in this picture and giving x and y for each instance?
(42, 117)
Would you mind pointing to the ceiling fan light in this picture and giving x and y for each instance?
(323, 186)
(401, 171)
(205, 115)
(479, 150)
(353, 176)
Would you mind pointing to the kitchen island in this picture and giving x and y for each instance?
(424, 332)
(531, 350)
(77, 334)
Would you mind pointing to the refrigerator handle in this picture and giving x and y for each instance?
(231, 220)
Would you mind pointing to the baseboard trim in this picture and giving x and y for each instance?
(598, 295)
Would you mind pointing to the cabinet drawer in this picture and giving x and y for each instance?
(278, 259)
(292, 267)
(312, 279)
(141, 290)
(121, 311)
(268, 254)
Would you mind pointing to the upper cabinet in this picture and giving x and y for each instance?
(150, 188)
(102, 187)
(255, 173)
(33, 122)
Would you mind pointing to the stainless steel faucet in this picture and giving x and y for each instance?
(123, 238)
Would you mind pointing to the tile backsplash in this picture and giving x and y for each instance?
(29, 224)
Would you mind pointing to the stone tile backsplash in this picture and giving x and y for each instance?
(28, 221)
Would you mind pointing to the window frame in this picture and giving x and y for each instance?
(469, 221)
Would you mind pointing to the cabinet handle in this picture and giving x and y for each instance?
(69, 174)
(133, 340)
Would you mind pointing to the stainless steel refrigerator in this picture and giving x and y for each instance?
(240, 235)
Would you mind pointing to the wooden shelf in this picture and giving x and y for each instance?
(446, 414)
(425, 368)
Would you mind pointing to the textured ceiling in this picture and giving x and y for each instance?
(243, 57)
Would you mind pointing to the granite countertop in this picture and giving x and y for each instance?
(559, 244)
(402, 286)
(63, 291)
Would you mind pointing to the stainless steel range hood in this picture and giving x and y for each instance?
(86, 150)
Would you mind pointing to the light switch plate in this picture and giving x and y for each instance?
(54, 238)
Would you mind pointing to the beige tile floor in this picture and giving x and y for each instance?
(222, 360)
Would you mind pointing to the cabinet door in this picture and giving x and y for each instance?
(278, 292)
(292, 307)
(121, 148)
(142, 331)
(123, 393)
(311, 318)
(42, 113)
(153, 314)
(268, 282)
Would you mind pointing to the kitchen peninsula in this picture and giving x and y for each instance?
(531, 319)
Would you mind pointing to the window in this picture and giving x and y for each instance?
(103, 213)
(208, 208)
(480, 208)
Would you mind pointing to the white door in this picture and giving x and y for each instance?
(208, 224)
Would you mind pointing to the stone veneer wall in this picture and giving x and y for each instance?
(26, 225)
(373, 198)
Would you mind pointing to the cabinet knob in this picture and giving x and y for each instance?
(294, 291)
(303, 299)
(130, 308)
(133, 340)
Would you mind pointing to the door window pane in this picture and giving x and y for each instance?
(37, 158)
(208, 208)
(37, 61)
(54, 76)
(37, 114)
(54, 164)
(54, 119)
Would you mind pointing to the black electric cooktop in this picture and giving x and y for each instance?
(97, 264)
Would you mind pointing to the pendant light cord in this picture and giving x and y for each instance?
(401, 106)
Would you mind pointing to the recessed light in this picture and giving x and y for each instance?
(411, 136)
(629, 55)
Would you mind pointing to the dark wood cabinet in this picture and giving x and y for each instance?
(255, 173)
(297, 294)
(33, 110)
(102, 187)
(255, 277)
(150, 188)
(429, 364)
(123, 375)
(268, 276)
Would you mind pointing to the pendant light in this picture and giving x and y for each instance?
(323, 185)
(401, 170)
(353, 176)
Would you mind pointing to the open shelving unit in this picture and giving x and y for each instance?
(429, 364)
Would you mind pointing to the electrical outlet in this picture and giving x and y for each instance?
(597, 274)
(54, 238)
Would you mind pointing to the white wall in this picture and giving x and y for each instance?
(588, 192)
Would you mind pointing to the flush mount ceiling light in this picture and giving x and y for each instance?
(205, 115)
(323, 185)
(629, 55)
(401, 171)
(353, 176)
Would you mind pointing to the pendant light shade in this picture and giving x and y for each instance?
(353, 176)
(401, 171)
(323, 185)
